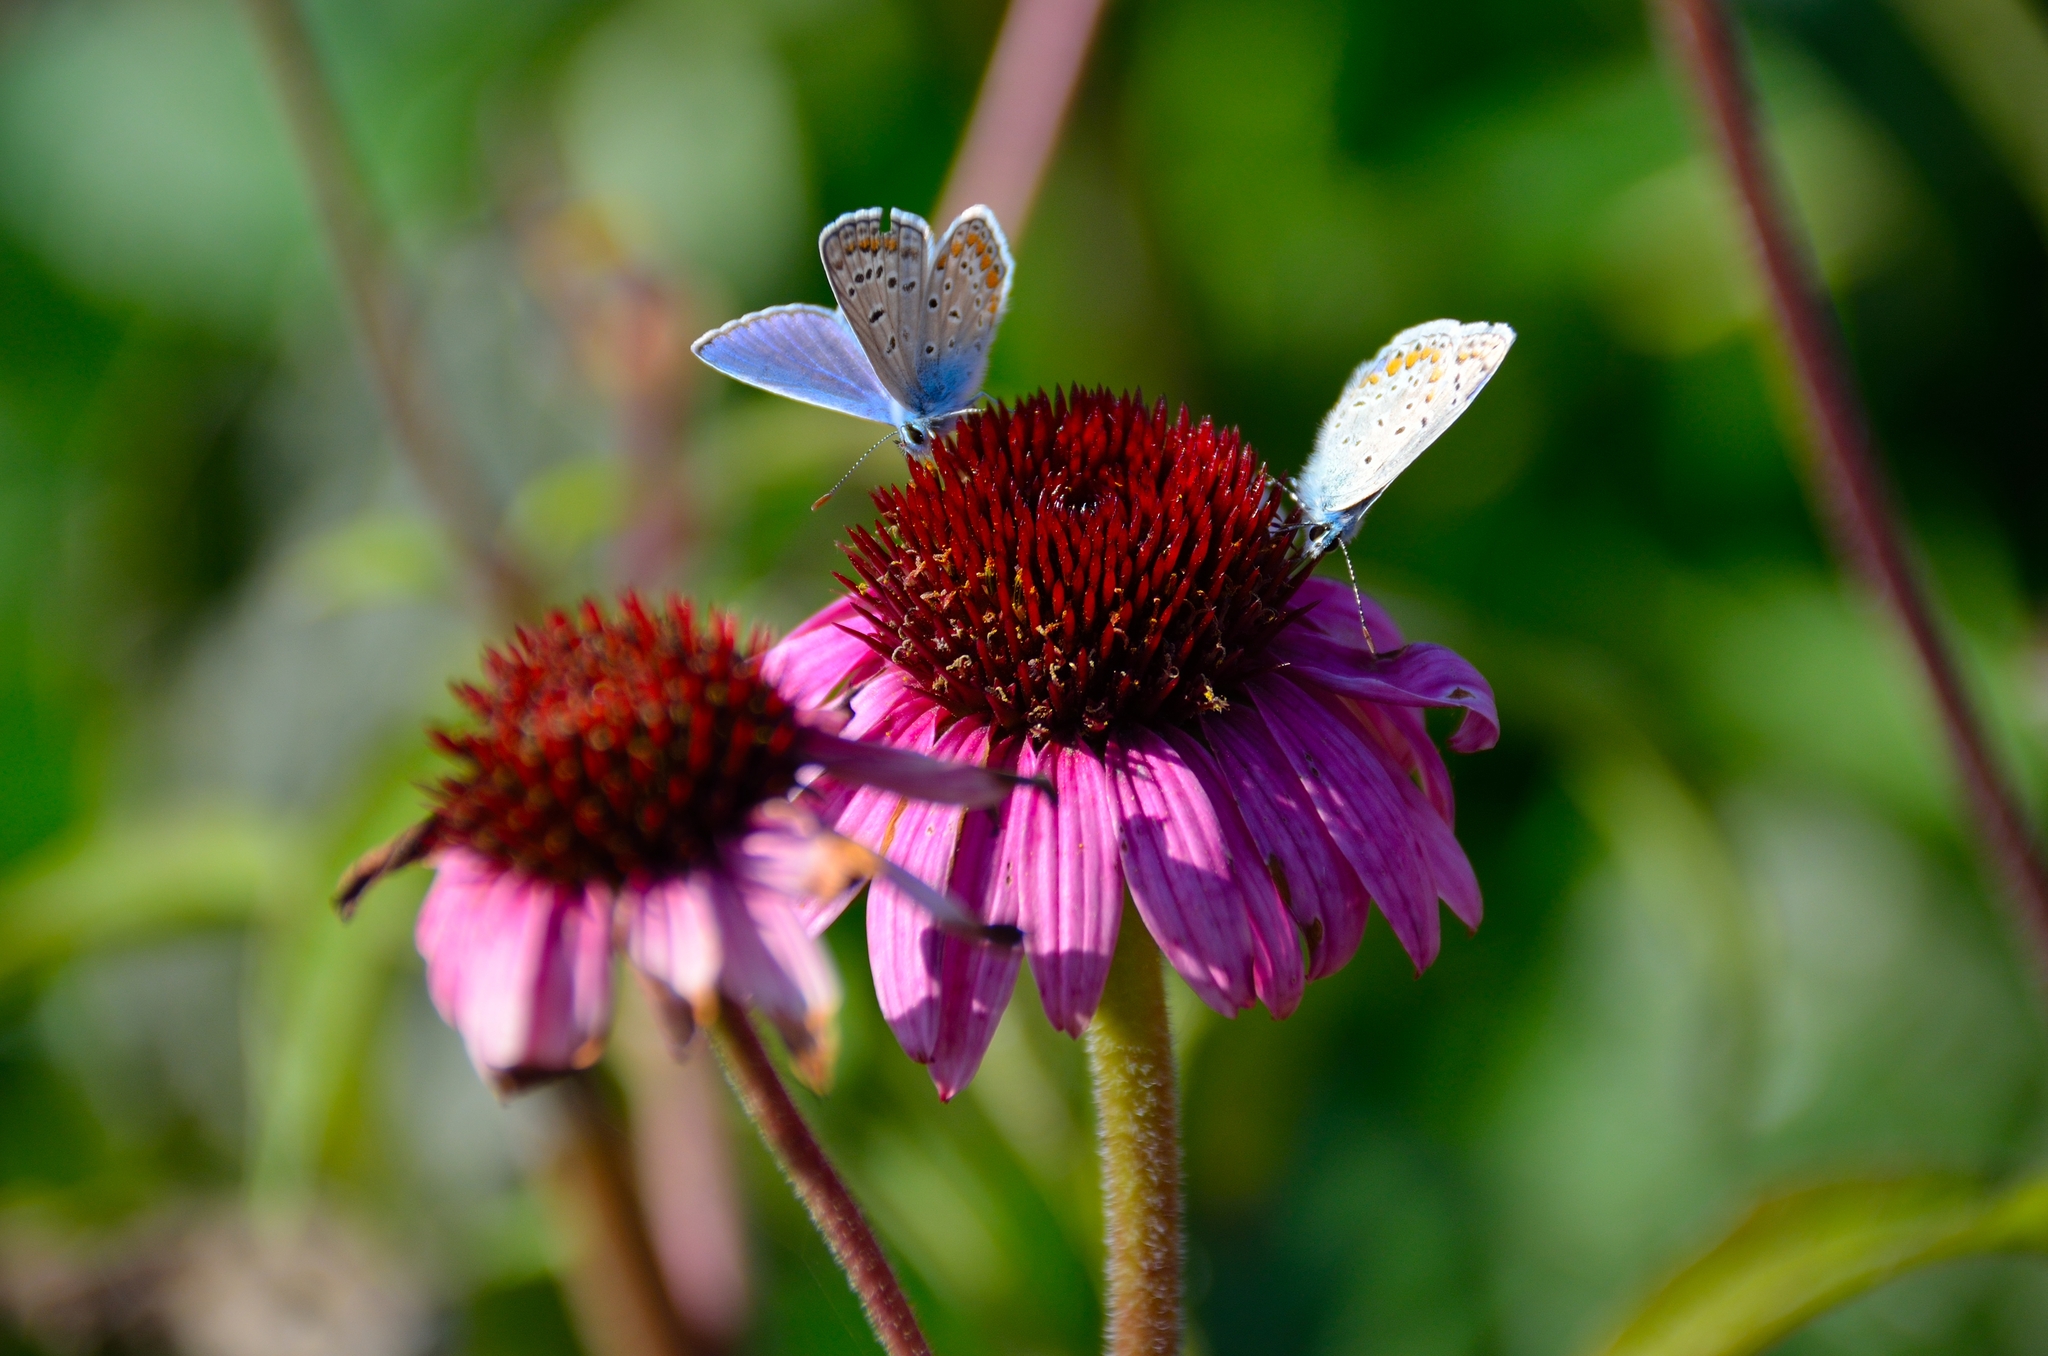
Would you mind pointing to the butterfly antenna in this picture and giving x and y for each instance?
(840, 484)
(1344, 549)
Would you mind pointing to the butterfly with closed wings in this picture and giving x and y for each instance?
(1396, 404)
(908, 345)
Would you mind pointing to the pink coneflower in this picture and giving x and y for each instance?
(1084, 590)
(624, 785)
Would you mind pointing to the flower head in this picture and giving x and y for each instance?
(1086, 590)
(623, 784)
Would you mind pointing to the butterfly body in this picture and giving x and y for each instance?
(1396, 404)
(909, 343)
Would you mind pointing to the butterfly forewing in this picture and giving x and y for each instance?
(879, 278)
(804, 352)
(965, 295)
(1395, 405)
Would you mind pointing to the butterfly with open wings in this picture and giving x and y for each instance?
(908, 345)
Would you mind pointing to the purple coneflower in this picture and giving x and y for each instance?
(1086, 591)
(625, 786)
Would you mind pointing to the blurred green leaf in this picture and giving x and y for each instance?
(140, 148)
(321, 991)
(1797, 1256)
(1667, 258)
(1995, 53)
(141, 880)
(377, 558)
(567, 507)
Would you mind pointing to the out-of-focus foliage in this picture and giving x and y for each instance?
(1737, 939)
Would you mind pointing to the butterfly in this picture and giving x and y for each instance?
(1396, 404)
(909, 343)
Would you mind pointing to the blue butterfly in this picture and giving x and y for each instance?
(909, 343)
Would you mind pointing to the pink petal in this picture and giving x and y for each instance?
(873, 763)
(1401, 730)
(975, 981)
(885, 706)
(1416, 675)
(1058, 863)
(816, 661)
(1276, 963)
(672, 936)
(1333, 610)
(772, 963)
(1323, 892)
(867, 814)
(1360, 801)
(520, 967)
(905, 946)
(1178, 869)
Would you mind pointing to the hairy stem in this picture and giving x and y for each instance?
(859, 1254)
(1856, 502)
(359, 249)
(1130, 1053)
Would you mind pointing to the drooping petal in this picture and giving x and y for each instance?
(1277, 975)
(867, 814)
(1401, 730)
(1333, 609)
(1059, 861)
(775, 966)
(1357, 797)
(868, 763)
(1415, 675)
(905, 945)
(1178, 869)
(1449, 868)
(520, 967)
(813, 663)
(1323, 892)
(975, 980)
(672, 937)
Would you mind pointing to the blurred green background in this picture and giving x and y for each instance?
(1737, 940)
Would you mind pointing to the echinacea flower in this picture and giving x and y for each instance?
(1084, 590)
(625, 786)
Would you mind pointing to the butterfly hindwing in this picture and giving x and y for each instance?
(966, 293)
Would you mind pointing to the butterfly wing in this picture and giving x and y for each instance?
(804, 352)
(879, 278)
(1395, 405)
(965, 295)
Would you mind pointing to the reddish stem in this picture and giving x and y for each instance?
(833, 1209)
(1024, 96)
(1856, 501)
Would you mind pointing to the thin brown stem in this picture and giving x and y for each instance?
(616, 1292)
(1856, 502)
(1024, 96)
(1137, 1113)
(359, 249)
(854, 1246)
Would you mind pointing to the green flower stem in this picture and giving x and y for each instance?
(854, 1246)
(1137, 1112)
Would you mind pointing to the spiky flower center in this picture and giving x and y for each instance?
(608, 748)
(1077, 562)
